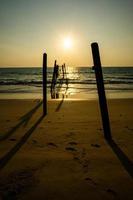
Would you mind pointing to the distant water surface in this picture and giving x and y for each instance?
(27, 82)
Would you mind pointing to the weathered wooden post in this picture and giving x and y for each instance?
(44, 84)
(101, 91)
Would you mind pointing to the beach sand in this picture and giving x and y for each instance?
(64, 155)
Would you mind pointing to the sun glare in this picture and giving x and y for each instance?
(68, 43)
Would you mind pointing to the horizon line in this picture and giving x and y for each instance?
(68, 66)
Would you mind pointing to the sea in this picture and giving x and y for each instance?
(78, 83)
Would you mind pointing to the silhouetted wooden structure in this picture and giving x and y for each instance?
(44, 84)
(101, 91)
(59, 76)
(57, 79)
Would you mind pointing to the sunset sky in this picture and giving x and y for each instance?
(64, 29)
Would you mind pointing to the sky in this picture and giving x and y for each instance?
(28, 28)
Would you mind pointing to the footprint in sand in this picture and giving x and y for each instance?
(85, 165)
(12, 139)
(95, 145)
(51, 144)
(111, 192)
(90, 181)
(71, 149)
(76, 158)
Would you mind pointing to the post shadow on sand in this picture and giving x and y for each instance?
(6, 158)
(125, 161)
(63, 96)
(60, 104)
(23, 121)
(127, 164)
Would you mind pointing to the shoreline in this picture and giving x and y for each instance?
(81, 96)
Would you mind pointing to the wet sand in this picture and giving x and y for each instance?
(64, 155)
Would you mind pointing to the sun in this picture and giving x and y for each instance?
(68, 43)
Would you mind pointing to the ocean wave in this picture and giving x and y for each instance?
(70, 81)
(29, 80)
(6, 82)
(69, 89)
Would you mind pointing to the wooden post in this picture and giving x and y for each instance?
(44, 84)
(101, 91)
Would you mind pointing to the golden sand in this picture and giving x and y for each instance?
(64, 155)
